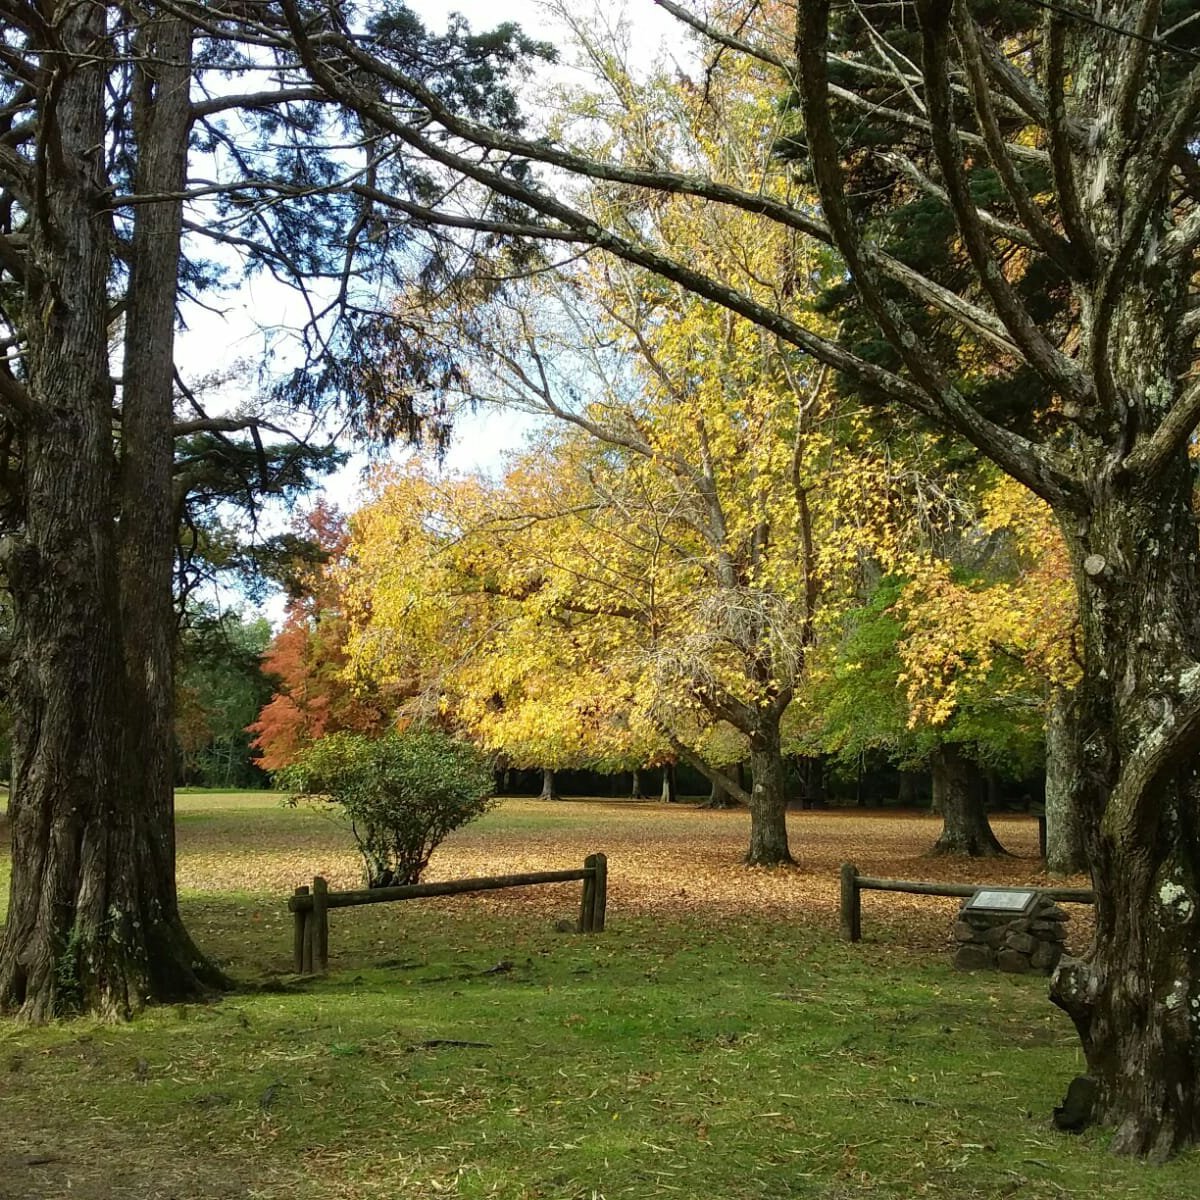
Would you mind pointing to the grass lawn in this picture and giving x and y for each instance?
(717, 1041)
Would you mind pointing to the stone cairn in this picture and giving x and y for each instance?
(1000, 941)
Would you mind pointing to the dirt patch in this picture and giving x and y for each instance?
(95, 1161)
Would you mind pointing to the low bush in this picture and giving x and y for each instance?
(402, 793)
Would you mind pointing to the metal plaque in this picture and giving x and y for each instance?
(1016, 901)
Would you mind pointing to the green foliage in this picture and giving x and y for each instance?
(860, 698)
(865, 709)
(220, 687)
(227, 482)
(402, 793)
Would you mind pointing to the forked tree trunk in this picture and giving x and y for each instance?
(965, 828)
(93, 923)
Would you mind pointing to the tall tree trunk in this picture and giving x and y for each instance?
(906, 791)
(1065, 851)
(149, 518)
(93, 923)
(635, 785)
(812, 779)
(548, 791)
(1133, 729)
(965, 828)
(670, 793)
(768, 799)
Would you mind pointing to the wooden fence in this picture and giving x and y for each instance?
(854, 884)
(310, 909)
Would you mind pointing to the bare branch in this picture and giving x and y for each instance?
(1047, 237)
(910, 120)
(224, 425)
(711, 773)
(1184, 238)
(1019, 88)
(1171, 436)
(788, 330)
(1070, 209)
(1153, 166)
(728, 40)
(1135, 56)
(997, 226)
(255, 100)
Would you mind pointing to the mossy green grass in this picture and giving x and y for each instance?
(462, 1049)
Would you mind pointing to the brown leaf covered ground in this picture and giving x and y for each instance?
(663, 859)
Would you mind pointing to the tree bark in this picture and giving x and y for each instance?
(965, 828)
(670, 793)
(635, 785)
(147, 530)
(768, 799)
(548, 791)
(93, 923)
(1132, 730)
(906, 791)
(719, 797)
(1065, 851)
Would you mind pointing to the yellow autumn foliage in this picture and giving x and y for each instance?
(957, 630)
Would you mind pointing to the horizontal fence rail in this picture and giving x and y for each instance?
(310, 909)
(854, 884)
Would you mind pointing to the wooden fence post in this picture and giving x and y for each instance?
(599, 891)
(588, 898)
(320, 925)
(851, 904)
(298, 935)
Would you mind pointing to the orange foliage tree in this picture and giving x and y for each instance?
(314, 692)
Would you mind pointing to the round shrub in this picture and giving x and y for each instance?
(402, 793)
